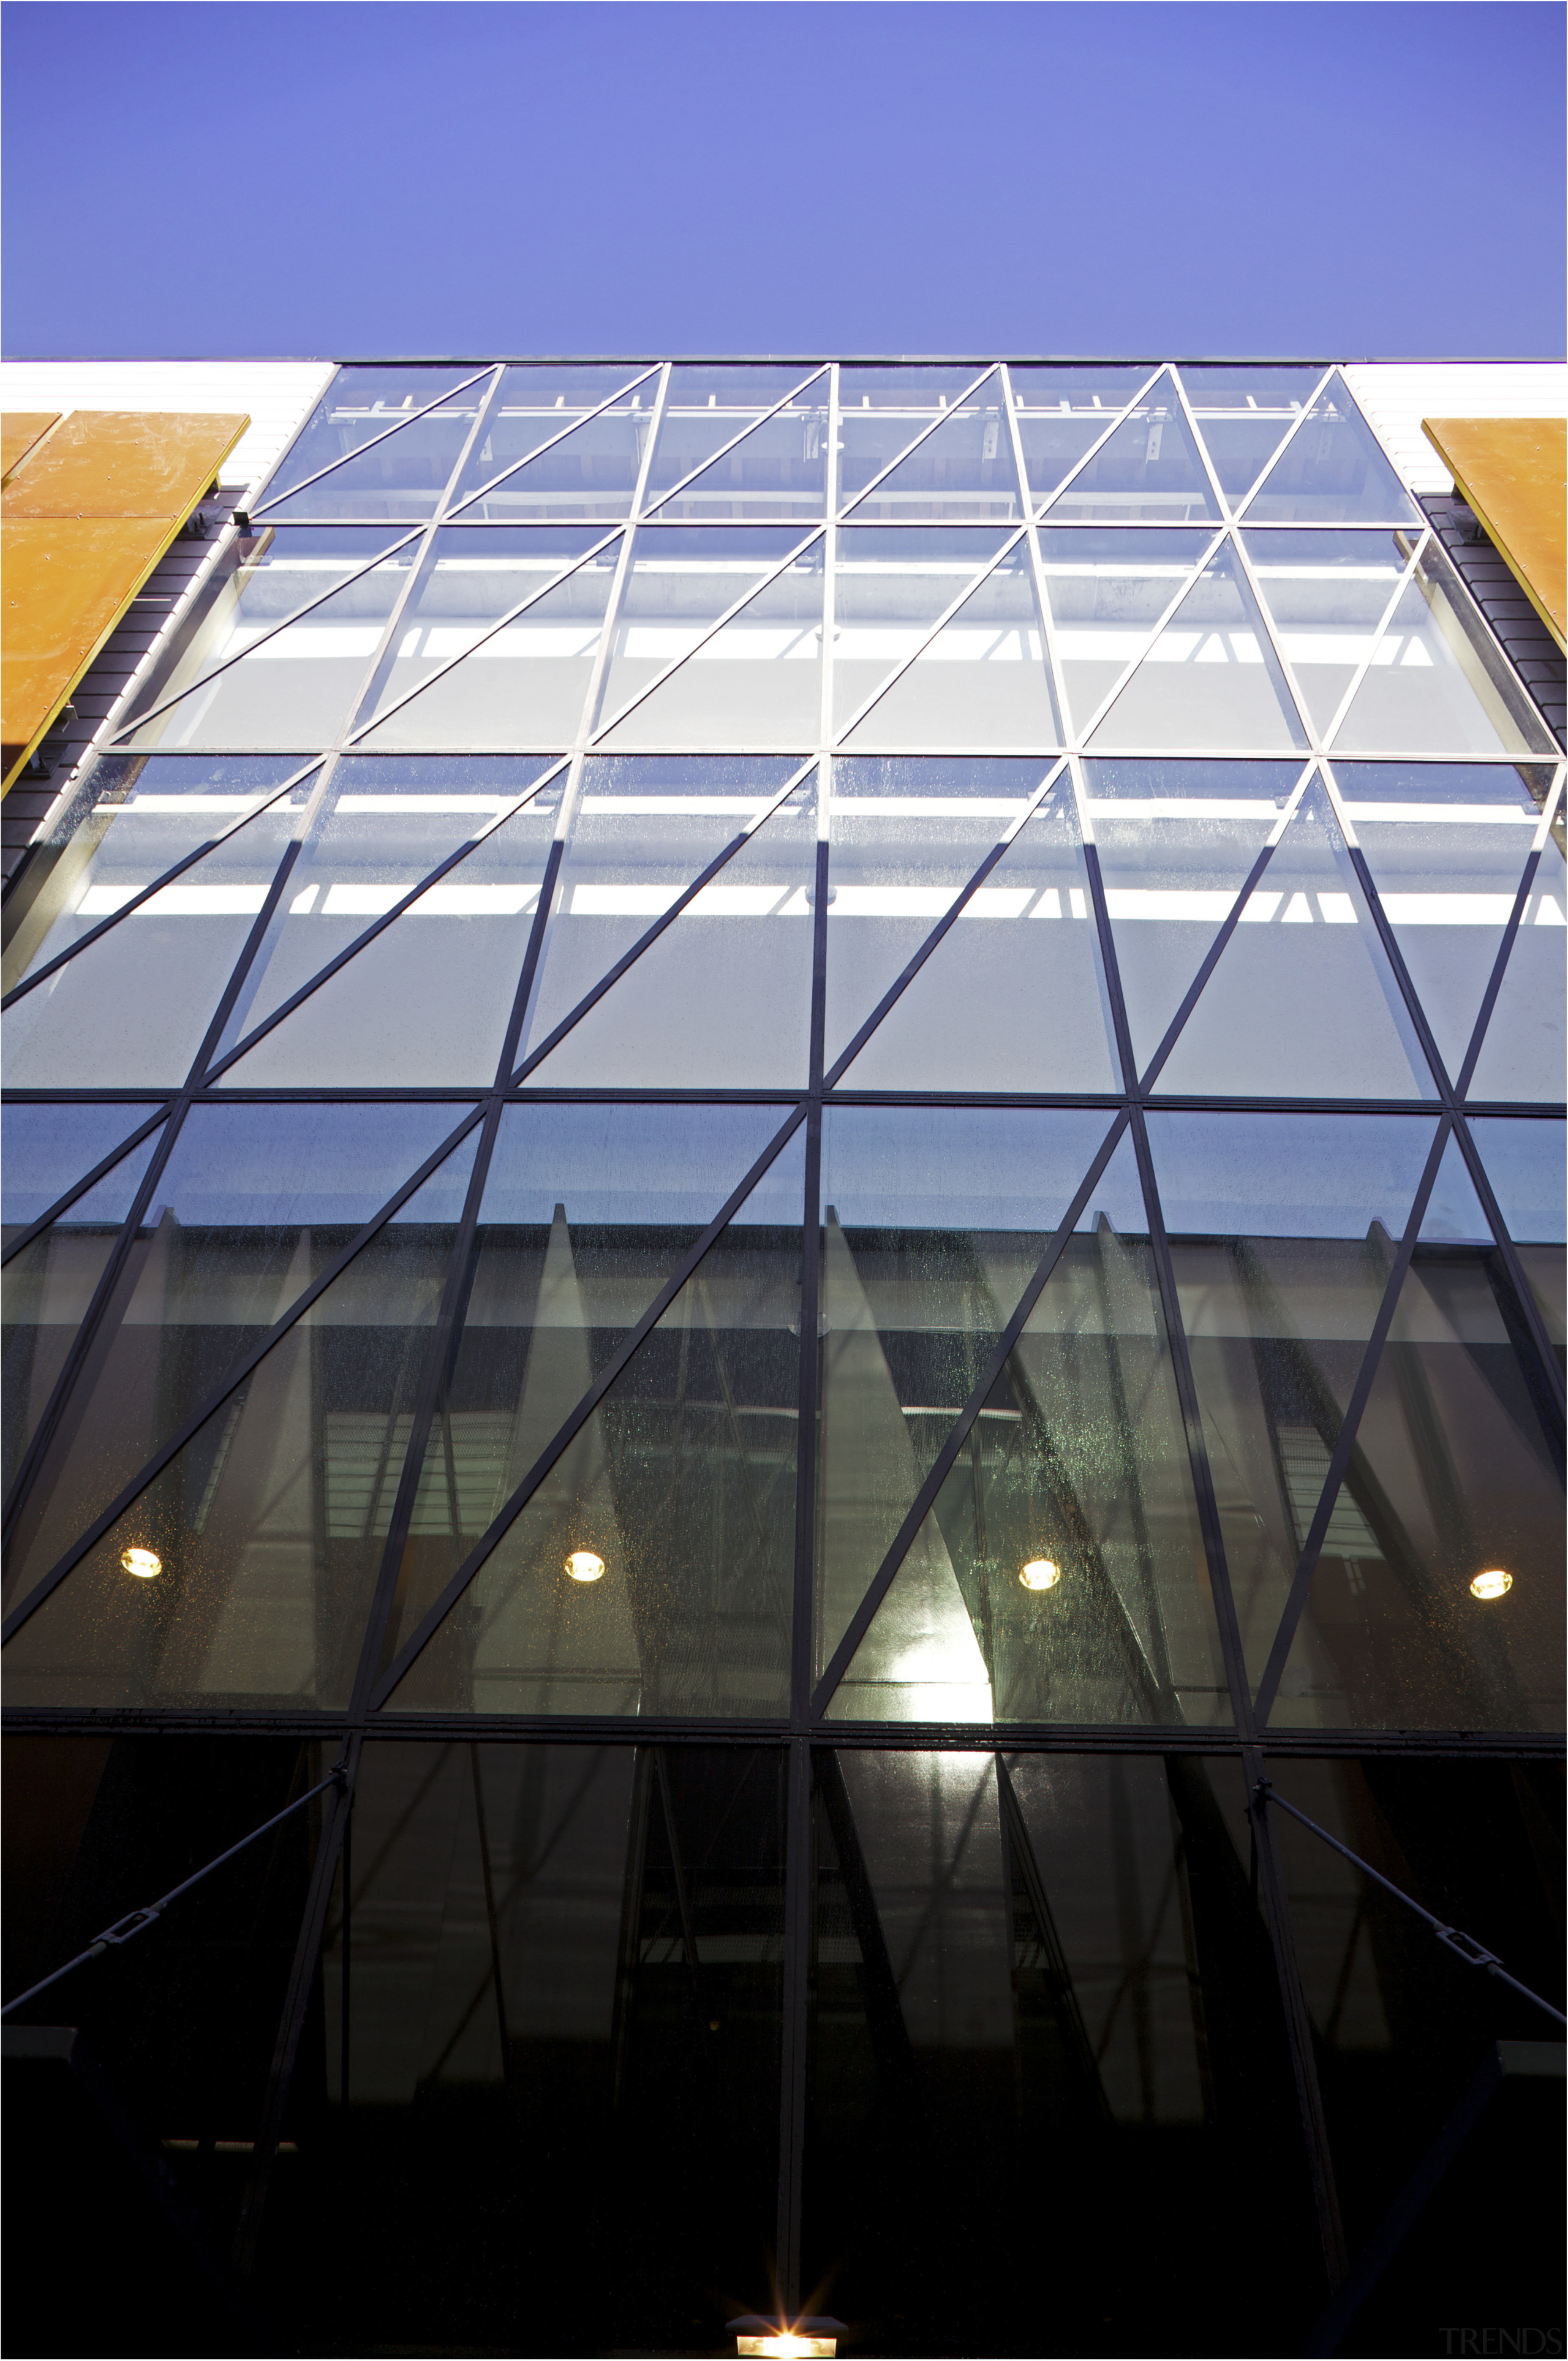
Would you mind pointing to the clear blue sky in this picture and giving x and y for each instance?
(619, 176)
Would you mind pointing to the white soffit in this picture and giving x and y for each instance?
(1397, 396)
(277, 395)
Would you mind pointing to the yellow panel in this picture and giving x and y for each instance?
(19, 430)
(1513, 472)
(125, 463)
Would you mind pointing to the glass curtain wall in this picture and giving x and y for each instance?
(791, 1141)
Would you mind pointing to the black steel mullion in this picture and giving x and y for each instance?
(89, 1180)
(1408, 992)
(1495, 981)
(1312, 1546)
(903, 1541)
(518, 1499)
(237, 1373)
(1209, 961)
(806, 1429)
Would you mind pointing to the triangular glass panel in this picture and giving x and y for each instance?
(722, 997)
(681, 578)
(1013, 998)
(132, 1008)
(1453, 1215)
(590, 474)
(907, 836)
(1211, 681)
(652, 1570)
(881, 411)
(1333, 471)
(49, 1149)
(1439, 683)
(133, 817)
(385, 822)
(265, 1531)
(521, 686)
(474, 577)
(362, 403)
(889, 587)
(935, 1219)
(1522, 1050)
(297, 687)
(1525, 1163)
(963, 473)
(1062, 412)
(1107, 591)
(428, 999)
(1437, 1602)
(1244, 415)
(1303, 1002)
(1148, 470)
(1060, 1575)
(984, 680)
(1446, 844)
(755, 684)
(253, 1204)
(1176, 843)
(587, 1212)
(1327, 594)
(645, 827)
(778, 469)
(1283, 1230)
(403, 474)
(539, 401)
(49, 1284)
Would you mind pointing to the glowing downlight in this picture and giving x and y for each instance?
(757, 2339)
(584, 1565)
(1493, 1583)
(1040, 1573)
(143, 1563)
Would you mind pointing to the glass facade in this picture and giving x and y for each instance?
(792, 1138)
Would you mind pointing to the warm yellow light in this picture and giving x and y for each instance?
(1040, 1573)
(144, 1564)
(1492, 1584)
(584, 1565)
(783, 2345)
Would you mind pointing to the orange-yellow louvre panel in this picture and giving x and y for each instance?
(83, 521)
(19, 430)
(1512, 471)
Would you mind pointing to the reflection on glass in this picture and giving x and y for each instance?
(757, 683)
(46, 1291)
(1211, 680)
(132, 817)
(644, 828)
(1107, 591)
(271, 1521)
(1327, 593)
(1446, 844)
(777, 468)
(1012, 998)
(49, 1149)
(1525, 1164)
(934, 1222)
(1302, 1001)
(589, 474)
(1176, 842)
(1283, 1229)
(587, 1212)
(1244, 415)
(1332, 471)
(890, 588)
(881, 413)
(963, 470)
(252, 1204)
(723, 996)
(1148, 470)
(403, 474)
(982, 680)
(362, 404)
(1062, 412)
(1078, 1458)
(428, 999)
(1439, 683)
(524, 685)
(540, 401)
(680, 582)
(683, 1481)
(135, 1006)
(470, 583)
(1522, 1048)
(297, 687)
